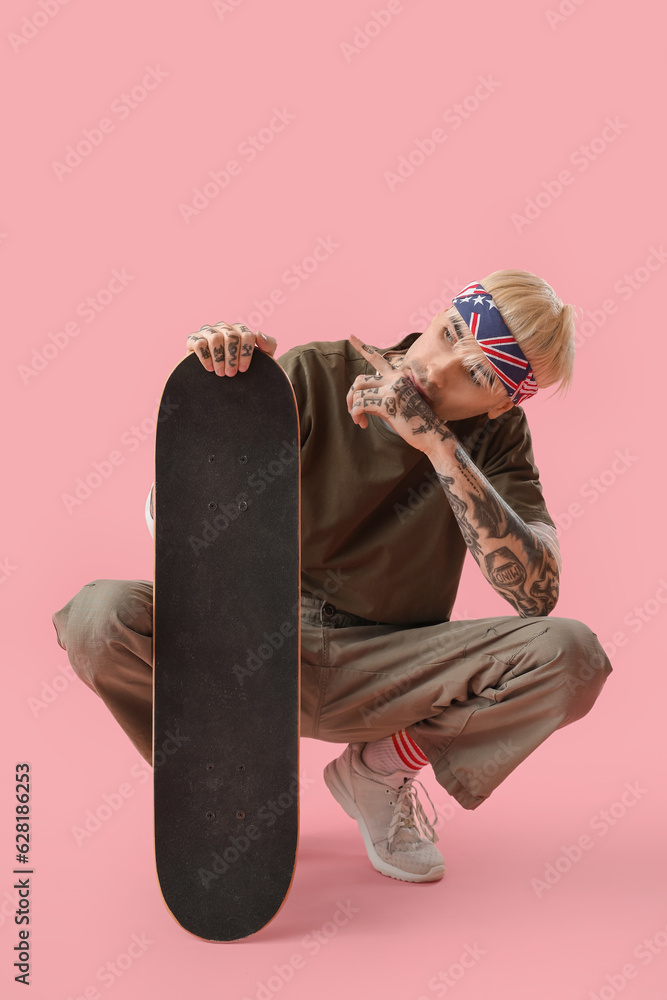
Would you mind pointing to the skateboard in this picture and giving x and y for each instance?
(226, 642)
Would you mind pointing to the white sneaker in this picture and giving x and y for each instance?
(399, 838)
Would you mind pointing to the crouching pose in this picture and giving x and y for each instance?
(410, 456)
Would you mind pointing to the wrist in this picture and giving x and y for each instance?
(439, 444)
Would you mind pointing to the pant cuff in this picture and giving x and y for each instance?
(444, 775)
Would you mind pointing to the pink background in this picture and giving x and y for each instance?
(222, 72)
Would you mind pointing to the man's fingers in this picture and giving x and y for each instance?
(216, 340)
(198, 344)
(248, 342)
(225, 342)
(266, 344)
(227, 348)
(246, 347)
(232, 349)
(371, 354)
(361, 401)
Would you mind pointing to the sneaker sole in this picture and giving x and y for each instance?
(343, 798)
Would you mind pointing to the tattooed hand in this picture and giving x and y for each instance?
(393, 396)
(227, 348)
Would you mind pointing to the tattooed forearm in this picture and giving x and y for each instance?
(508, 575)
(463, 464)
(470, 535)
(522, 569)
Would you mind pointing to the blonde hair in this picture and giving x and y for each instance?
(540, 323)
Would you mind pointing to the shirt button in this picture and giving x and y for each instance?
(328, 610)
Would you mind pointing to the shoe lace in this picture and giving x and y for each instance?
(409, 813)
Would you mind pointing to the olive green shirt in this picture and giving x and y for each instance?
(378, 535)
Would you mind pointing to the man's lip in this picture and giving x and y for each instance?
(417, 386)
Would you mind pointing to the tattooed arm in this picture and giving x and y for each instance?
(515, 560)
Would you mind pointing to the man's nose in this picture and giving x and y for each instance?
(440, 371)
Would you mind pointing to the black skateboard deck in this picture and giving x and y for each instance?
(226, 645)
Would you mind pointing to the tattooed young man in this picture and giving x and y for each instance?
(410, 457)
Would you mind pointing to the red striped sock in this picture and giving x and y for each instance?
(408, 751)
(397, 752)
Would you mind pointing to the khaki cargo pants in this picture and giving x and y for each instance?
(477, 696)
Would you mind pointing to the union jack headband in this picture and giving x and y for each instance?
(487, 326)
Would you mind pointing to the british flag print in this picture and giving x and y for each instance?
(479, 311)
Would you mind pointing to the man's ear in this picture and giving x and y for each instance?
(503, 407)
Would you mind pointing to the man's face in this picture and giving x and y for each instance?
(452, 390)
